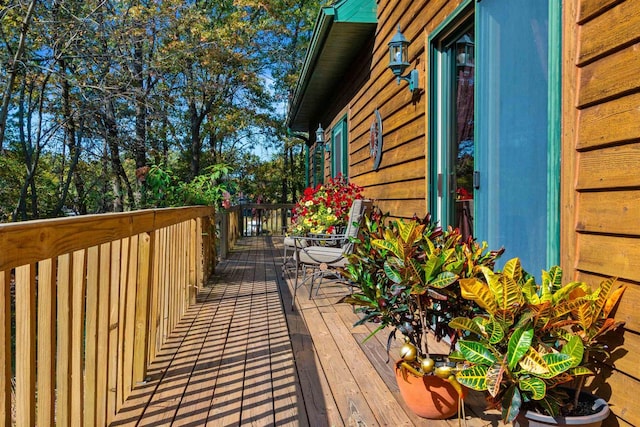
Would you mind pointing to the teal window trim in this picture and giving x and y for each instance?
(340, 126)
(439, 110)
(554, 132)
(307, 163)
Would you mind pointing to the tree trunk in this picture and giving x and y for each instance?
(111, 136)
(139, 148)
(13, 70)
(196, 143)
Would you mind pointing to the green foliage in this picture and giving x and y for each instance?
(406, 275)
(177, 83)
(531, 338)
(165, 188)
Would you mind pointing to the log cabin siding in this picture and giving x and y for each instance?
(601, 184)
(400, 184)
(600, 149)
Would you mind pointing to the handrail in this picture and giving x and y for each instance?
(251, 219)
(95, 298)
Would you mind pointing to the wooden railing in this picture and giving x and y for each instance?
(251, 219)
(95, 298)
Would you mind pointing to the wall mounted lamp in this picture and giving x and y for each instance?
(465, 51)
(320, 138)
(399, 60)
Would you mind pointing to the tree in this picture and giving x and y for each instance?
(98, 91)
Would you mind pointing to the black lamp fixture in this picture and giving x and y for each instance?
(320, 138)
(399, 60)
(465, 51)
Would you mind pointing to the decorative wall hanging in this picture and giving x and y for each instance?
(375, 140)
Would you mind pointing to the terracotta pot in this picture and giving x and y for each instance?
(429, 397)
(535, 419)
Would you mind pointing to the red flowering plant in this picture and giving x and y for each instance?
(325, 208)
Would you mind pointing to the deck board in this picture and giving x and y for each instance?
(241, 356)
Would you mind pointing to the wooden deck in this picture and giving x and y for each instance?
(242, 357)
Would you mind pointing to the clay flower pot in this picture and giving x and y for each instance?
(428, 397)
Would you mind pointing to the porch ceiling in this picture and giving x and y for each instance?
(340, 32)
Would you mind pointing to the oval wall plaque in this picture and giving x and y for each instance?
(375, 140)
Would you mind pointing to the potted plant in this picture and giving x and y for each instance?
(532, 341)
(325, 208)
(405, 275)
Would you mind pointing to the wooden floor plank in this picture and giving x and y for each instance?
(353, 408)
(195, 408)
(318, 403)
(257, 398)
(241, 356)
(287, 398)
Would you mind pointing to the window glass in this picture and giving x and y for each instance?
(453, 150)
(339, 149)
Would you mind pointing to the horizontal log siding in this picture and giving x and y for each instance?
(601, 183)
(399, 185)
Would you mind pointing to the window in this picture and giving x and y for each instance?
(494, 155)
(453, 151)
(339, 149)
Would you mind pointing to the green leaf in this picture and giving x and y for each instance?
(508, 294)
(530, 292)
(384, 244)
(535, 386)
(443, 280)
(495, 331)
(513, 269)
(580, 370)
(474, 377)
(563, 293)
(511, 403)
(550, 406)
(519, 344)
(476, 352)
(466, 324)
(557, 363)
(429, 267)
(575, 349)
(392, 274)
(533, 362)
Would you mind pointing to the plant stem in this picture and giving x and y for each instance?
(423, 323)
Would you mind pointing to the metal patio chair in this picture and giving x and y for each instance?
(323, 254)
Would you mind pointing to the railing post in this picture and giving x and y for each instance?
(224, 234)
(5, 348)
(25, 345)
(193, 260)
(141, 338)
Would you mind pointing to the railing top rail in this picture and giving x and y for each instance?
(271, 206)
(31, 241)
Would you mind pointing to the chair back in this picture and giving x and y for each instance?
(353, 225)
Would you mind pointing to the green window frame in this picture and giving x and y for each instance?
(340, 149)
(494, 109)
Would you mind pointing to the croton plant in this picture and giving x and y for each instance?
(532, 338)
(406, 278)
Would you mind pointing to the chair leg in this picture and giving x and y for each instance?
(295, 287)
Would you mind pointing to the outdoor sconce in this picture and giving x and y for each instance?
(320, 138)
(399, 60)
(464, 51)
